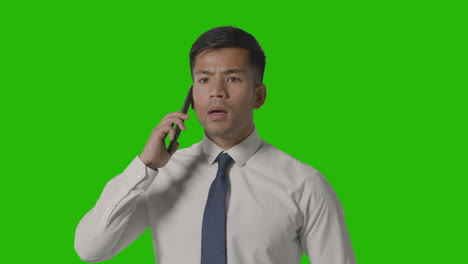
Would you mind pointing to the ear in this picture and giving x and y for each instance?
(260, 96)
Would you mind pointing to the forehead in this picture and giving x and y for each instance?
(225, 58)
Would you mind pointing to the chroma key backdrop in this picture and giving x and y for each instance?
(370, 93)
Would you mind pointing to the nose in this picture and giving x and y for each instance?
(218, 89)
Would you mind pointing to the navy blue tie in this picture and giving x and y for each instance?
(214, 219)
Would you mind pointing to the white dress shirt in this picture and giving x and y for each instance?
(277, 208)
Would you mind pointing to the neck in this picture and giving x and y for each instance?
(228, 142)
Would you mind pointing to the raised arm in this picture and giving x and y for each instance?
(120, 214)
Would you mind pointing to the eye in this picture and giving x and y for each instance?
(203, 80)
(233, 79)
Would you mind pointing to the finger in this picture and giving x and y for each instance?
(182, 115)
(176, 121)
(171, 132)
(181, 124)
(164, 131)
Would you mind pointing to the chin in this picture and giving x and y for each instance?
(217, 133)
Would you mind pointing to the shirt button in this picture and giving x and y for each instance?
(139, 176)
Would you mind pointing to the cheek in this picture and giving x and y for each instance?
(197, 99)
(246, 98)
(196, 104)
(245, 103)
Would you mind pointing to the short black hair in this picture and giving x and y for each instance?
(230, 37)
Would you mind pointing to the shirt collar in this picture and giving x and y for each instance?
(240, 153)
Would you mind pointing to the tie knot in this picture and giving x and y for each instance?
(224, 160)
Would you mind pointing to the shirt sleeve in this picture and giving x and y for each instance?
(324, 236)
(119, 216)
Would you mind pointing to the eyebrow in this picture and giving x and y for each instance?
(225, 72)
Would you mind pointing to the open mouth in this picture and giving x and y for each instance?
(217, 112)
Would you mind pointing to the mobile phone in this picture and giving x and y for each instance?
(185, 107)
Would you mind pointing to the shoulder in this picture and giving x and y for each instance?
(302, 177)
(282, 160)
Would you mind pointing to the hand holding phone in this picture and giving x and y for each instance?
(155, 154)
(185, 107)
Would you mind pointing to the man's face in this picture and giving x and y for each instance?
(225, 94)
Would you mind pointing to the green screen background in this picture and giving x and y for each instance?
(371, 93)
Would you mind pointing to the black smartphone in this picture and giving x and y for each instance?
(185, 107)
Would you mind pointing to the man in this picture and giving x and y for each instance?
(231, 198)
